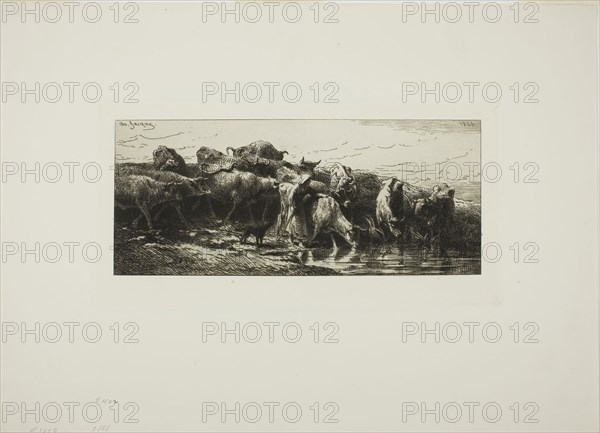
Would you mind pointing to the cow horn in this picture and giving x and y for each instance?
(232, 150)
(286, 152)
(357, 227)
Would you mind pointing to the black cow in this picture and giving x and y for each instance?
(260, 148)
(168, 159)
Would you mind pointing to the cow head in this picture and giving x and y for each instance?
(394, 189)
(340, 171)
(173, 191)
(393, 184)
(302, 186)
(199, 186)
(342, 226)
(443, 191)
(207, 154)
(443, 197)
(165, 159)
(169, 163)
(346, 191)
(358, 232)
(310, 165)
(343, 184)
(239, 152)
(186, 187)
(352, 235)
(274, 182)
(426, 209)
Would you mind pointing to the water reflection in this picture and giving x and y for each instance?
(392, 259)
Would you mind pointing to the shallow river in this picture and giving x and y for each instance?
(390, 260)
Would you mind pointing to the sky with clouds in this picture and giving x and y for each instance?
(386, 147)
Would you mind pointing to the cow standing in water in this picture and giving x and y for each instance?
(389, 208)
(435, 213)
(306, 213)
(327, 217)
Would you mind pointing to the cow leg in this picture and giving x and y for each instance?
(210, 207)
(290, 232)
(231, 211)
(264, 215)
(403, 232)
(317, 230)
(235, 203)
(177, 207)
(386, 231)
(302, 225)
(335, 247)
(443, 239)
(136, 221)
(280, 219)
(345, 236)
(146, 212)
(163, 206)
(392, 231)
(250, 212)
(197, 203)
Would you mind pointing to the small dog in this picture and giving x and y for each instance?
(257, 230)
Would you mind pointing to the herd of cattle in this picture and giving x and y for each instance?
(303, 200)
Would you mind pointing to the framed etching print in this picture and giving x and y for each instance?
(299, 216)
